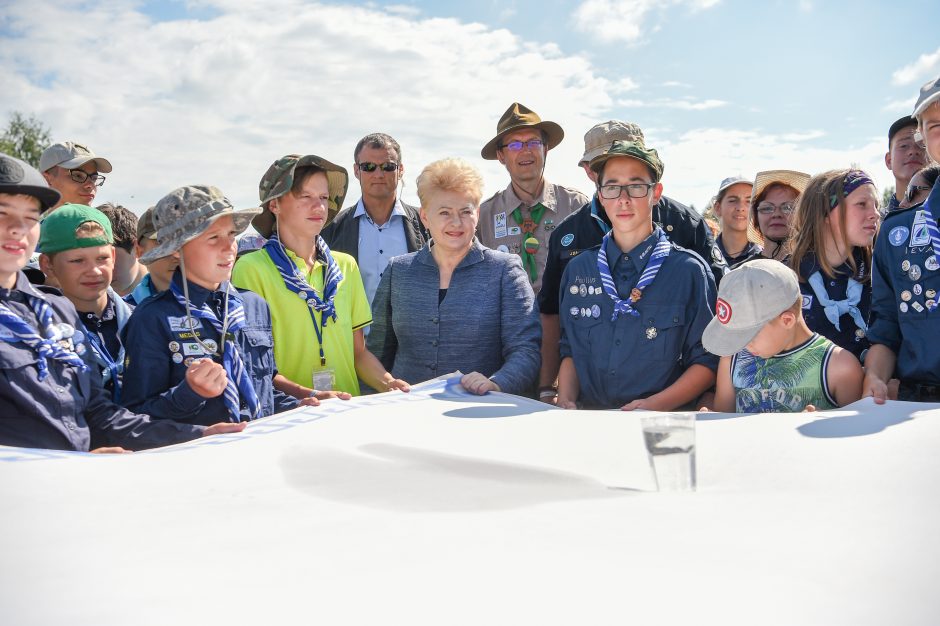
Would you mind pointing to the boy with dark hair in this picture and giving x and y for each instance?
(159, 271)
(202, 351)
(52, 395)
(771, 362)
(77, 251)
(128, 272)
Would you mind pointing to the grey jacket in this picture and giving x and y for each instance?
(342, 234)
(487, 323)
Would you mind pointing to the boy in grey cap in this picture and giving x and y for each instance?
(73, 170)
(771, 362)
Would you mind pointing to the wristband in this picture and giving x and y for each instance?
(547, 393)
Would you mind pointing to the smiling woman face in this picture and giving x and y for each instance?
(451, 217)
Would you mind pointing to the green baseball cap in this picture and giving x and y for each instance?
(635, 150)
(57, 232)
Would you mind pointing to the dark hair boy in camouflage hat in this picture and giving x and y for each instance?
(318, 304)
(633, 310)
(201, 351)
(54, 398)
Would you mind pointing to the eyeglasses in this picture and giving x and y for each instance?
(80, 176)
(516, 146)
(634, 190)
(913, 189)
(766, 208)
(390, 166)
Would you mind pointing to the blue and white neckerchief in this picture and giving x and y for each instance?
(933, 200)
(834, 309)
(297, 283)
(659, 254)
(238, 386)
(113, 366)
(52, 344)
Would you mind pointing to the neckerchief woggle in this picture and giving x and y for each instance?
(933, 200)
(528, 226)
(297, 283)
(238, 386)
(115, 367)
(834, 309)
(660, 252)
(49, 345)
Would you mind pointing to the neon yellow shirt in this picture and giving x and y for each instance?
(296, 349)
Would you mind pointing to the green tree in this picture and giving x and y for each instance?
(25, 138)
(886, 196)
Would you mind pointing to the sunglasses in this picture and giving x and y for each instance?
(390, 166)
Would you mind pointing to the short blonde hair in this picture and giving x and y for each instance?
(453, 175)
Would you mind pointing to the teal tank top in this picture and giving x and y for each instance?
(786, 382)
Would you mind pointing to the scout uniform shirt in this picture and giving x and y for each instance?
(160, 345)
(499, 230)
(585, 229)
(849, 336)
(905, 277)
(296, 347)
(68, 409)
(634, 357)
(105, 331)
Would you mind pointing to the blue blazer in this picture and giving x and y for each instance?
(487, 323)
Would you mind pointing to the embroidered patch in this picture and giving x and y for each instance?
(499, 225)
(898, 235)
(807, 302)
(723, 311)
(567, 240)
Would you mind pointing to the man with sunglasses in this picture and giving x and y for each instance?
(520, 219)
(379, 226)
(74, 171)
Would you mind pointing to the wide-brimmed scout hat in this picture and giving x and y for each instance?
(70, 155)
(601, 137)
(791, 178)
(19, 177)
(280, 177)
(635, 150)
(57, 232)
(145, 227)
(749, 297)
(929, 94)
(185, 213)
(516, 117)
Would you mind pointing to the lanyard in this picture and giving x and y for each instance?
(101, 349)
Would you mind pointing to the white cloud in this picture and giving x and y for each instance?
(625, 20)
(926, 66)
(806, 6)
(905, 105)
(676, 83)
(405, 10)
(684, 104)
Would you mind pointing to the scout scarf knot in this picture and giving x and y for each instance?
(834, 309)
(52, 344)
(238, 386)
(297, 283)
(659, 254)
(931, 211)
(528, 226)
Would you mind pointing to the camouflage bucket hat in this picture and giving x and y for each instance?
(185, 213)
(635, 150)
(280, 177)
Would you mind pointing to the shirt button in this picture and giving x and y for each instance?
(613, 372)
(381, 251)
(675, 320)
(434, 343)
(60, 389)
(434, 319)
(617, 342)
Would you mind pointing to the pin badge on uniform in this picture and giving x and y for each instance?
(918, 290)
(211, 345)
(575, 311)
(906, 295)
(905, 265)
(931, 293)
(302, 295)
(583, 290)
(915, 273)
(595, 311)
(859, 333)
(177, 357)
(917, 306)
(931, 263)
(903, 307)
(651, 332)
(174, 346)
(585, 312)
(931, 303)
(573, 290)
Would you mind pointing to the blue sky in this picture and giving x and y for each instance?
(212, 91)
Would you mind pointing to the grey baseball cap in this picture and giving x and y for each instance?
(602, 136)
(748, 298)
(733, 180)
(70, 155)
(929, 94)
(19, 177)
(185, 213)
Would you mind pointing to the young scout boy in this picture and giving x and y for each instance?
(52, 395)
(905, 282)
(159, 271)
(771, 362)
(633, 310)
(77, 248)
(201, 351)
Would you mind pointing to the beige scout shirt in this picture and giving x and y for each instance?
(499, 231)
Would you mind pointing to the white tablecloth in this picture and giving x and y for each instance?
(443, 508)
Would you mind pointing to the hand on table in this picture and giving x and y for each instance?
(477, 383)
(224, 427)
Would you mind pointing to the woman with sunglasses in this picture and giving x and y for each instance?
(772, 204)
(833, 233)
